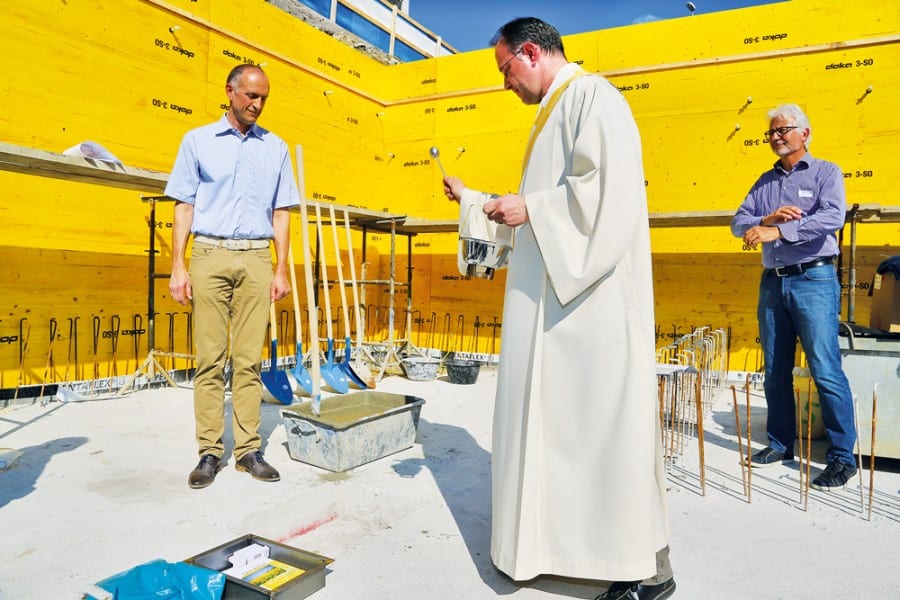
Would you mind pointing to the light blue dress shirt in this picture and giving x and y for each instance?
(233, 181)
(817, 188)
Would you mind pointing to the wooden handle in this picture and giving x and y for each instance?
(273, 337)
(295, 294)
(340, 272)
(356, 308)
(325, 294)
(310, 294)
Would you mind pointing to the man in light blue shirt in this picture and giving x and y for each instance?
(233, 184)
(794, 211)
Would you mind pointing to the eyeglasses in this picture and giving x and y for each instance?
(781, 131)
(505, 67)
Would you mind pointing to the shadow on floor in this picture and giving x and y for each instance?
(462, 470)
(21, 478)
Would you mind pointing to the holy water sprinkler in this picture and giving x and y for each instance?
(436, 155)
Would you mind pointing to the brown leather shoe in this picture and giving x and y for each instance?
(205, 472)
(255, 464)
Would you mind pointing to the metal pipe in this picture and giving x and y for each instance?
(382, 282)
(433, 325)
(851, 282)
(393, 263)
(409, 279)
(445, 334)
(363, 270)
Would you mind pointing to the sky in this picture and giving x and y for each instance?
(470, 24)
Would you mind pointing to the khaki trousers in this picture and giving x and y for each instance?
(230, 287)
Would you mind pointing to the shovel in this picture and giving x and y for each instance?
(333, 373)
(355, 374)
(299, 372)
(276, 384)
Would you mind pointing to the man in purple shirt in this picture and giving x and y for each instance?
(233, 183)
(794, 210)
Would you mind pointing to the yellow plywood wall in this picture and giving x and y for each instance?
(135, 75)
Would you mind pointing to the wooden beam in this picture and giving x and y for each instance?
(41, 163)
(875, 213)
(708, 218)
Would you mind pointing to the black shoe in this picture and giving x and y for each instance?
(255, 464)
(205, 472)
(835, 475)
(768, 456)
(635, 590)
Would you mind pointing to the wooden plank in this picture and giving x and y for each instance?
(866, 213)
(875, 213)
(41, 163)
(708, 218)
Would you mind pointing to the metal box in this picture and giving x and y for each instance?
(868, 361)
(236, 589)
(351, 429)
(885, 303)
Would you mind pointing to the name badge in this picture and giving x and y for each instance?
(806, 193)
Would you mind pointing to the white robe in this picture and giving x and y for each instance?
(578, 481)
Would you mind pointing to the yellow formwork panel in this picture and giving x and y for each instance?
(102, 71)
(414, 80)
(59, 215)
(731, 119)
(722, 35)
(454, 75)
(197, 8)
(282, 35)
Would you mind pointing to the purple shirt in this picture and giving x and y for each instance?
(234, 182)
(817, 188)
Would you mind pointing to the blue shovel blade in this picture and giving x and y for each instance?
(347, 367)
(276, 382)
(278, 385)
(300, 373)
(333, 374)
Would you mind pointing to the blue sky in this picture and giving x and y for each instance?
(470, 24)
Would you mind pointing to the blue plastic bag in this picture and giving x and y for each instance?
(161, 580)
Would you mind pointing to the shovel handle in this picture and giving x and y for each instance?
(310, 294)
(273, 335)
(295, 296)
(340, 271)
(326, 295)
(273, 339)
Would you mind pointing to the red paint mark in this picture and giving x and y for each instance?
(308, 527)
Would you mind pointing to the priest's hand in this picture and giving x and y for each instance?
(453, 187)
(507, 210)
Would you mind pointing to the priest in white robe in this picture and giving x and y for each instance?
(578, 482)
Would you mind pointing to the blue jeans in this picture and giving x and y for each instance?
(805, 306)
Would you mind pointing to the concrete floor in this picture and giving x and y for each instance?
(101, 486)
